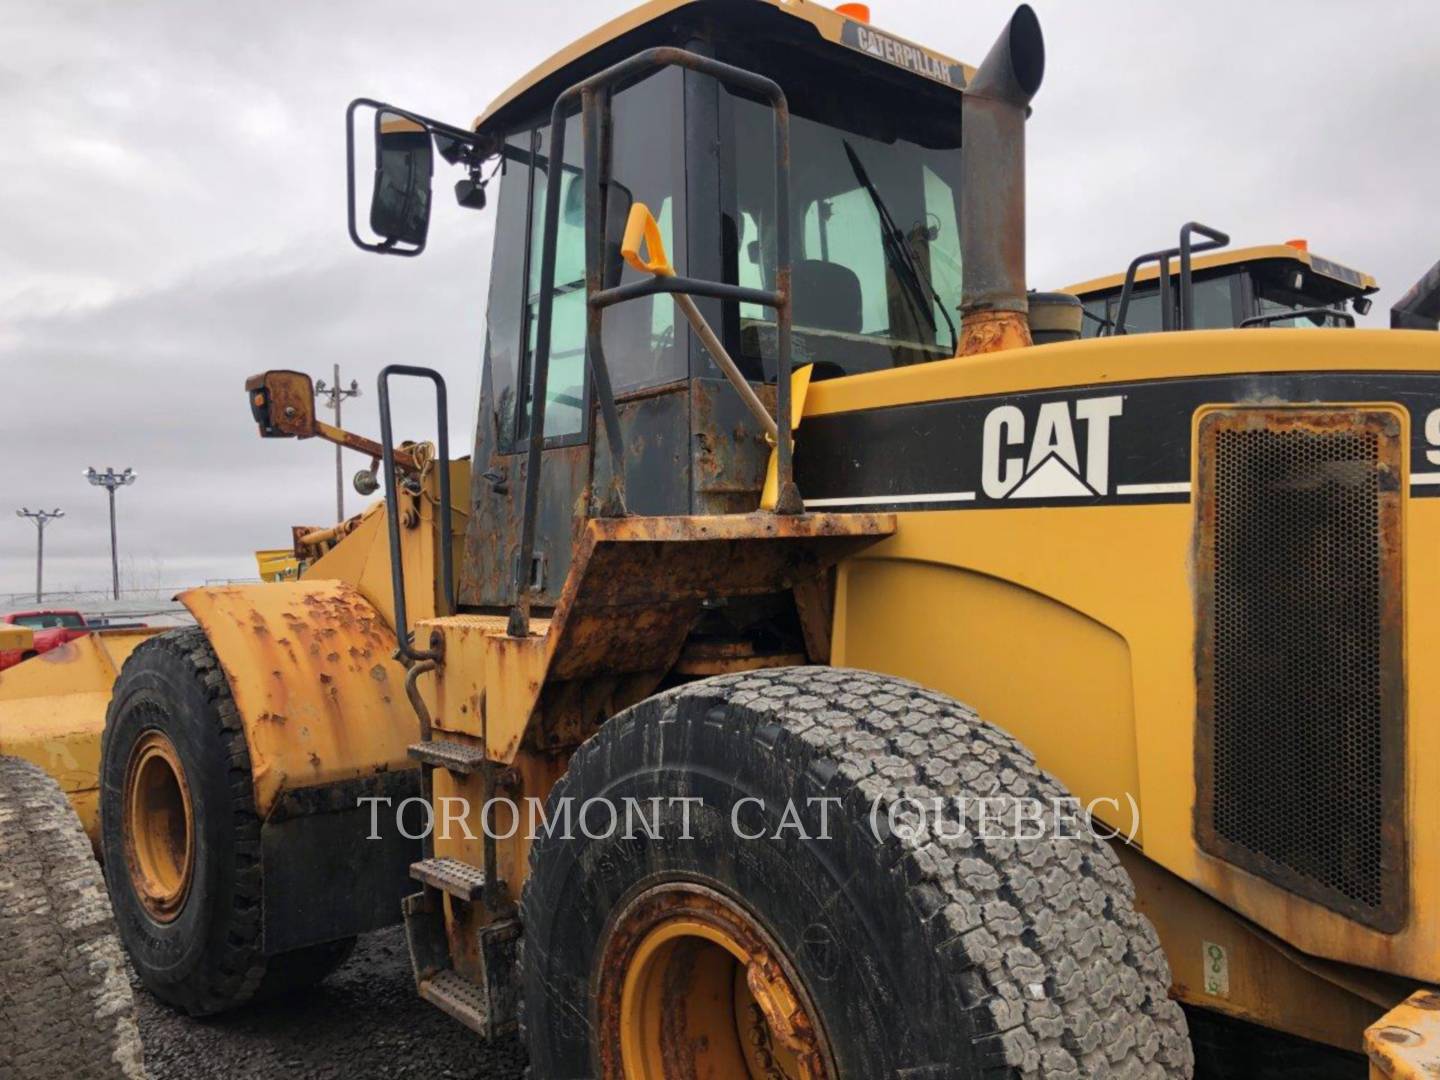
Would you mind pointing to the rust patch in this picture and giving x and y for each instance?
(786, 1014)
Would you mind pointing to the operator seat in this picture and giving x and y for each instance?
(826, 296)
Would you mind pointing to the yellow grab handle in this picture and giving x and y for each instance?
(641, 227)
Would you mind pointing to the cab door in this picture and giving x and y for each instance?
(643, 351)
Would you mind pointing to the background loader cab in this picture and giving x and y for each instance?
(1269, 285)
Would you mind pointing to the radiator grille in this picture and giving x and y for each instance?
(1300, 740)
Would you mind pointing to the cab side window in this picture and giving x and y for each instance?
(647, 140)
(507, 281)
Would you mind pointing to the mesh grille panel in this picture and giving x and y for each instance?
(1300, 737)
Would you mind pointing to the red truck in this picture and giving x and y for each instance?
(51, 628)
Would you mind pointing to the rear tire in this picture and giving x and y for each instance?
(65, 1002)
(199, 945)
(952, 958)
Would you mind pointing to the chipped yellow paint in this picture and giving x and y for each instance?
(311, 668)
(1404, 1044)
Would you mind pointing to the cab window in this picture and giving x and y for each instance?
(876, 262)
(640, 339)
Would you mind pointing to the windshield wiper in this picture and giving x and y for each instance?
(917, 284)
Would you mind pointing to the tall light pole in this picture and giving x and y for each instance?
(110, 480)
(41, 519)
(336, 395)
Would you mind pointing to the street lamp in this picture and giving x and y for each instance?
(41, 519)
(110, 480)
(337, 395)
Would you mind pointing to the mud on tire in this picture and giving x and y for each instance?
(209, 957)
(962, 958)
(65, 1003)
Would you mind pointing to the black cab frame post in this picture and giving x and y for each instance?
(405, 648)
(594, 95)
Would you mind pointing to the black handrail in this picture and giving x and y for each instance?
(1214, 238)
(1185, 249)
(594, 94)
(392, 504)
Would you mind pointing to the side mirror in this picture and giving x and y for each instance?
(283, 404)
(1362, 305)
(399, 217)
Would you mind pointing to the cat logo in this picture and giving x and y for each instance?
(1046, 461)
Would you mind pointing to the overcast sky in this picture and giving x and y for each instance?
(174, 185)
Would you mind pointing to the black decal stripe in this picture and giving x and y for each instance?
(929, 455)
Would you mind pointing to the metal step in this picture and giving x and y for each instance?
(452, 876)
(459, 997)
(445, 754)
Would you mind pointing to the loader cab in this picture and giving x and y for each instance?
(805, 172)
(875, 180)
(1273, 285)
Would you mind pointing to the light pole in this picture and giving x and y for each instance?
(336, 395)
(110, 480)
(41, 519)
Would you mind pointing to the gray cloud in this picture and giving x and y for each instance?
(174, 176)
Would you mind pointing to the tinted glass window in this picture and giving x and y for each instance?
(49, 621)
(1213, 307)
(647, 167)
(507, 286)
(1095, 319)
(875, 241)
(1275, 294)
(1142, 316)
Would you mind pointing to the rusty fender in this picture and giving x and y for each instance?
(322, 702)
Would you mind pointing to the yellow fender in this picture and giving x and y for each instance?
(311, 668)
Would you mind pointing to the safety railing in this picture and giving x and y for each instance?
(393, 484)
(1187, 248)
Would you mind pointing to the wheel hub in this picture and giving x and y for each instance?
(158, 826)
(690, 986)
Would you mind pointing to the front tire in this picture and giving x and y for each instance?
(65, 1003)
(902, 950)
(181, 839)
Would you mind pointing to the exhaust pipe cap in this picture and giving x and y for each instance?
(1015, 66)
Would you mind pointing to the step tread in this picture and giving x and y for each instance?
(452, 876)
(448, 754)
(458, 996)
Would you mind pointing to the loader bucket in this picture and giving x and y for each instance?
(52, 712)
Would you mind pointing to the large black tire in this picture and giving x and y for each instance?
(65, 1003)
(952, 958)
(208, 957)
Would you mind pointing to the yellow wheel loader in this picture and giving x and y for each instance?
(769, 477)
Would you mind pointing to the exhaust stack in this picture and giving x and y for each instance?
(993, 306)
(1419, 309)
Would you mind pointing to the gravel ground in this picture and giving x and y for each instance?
(365, 1020)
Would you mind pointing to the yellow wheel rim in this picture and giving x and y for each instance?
(690, 986)
(158, 826)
